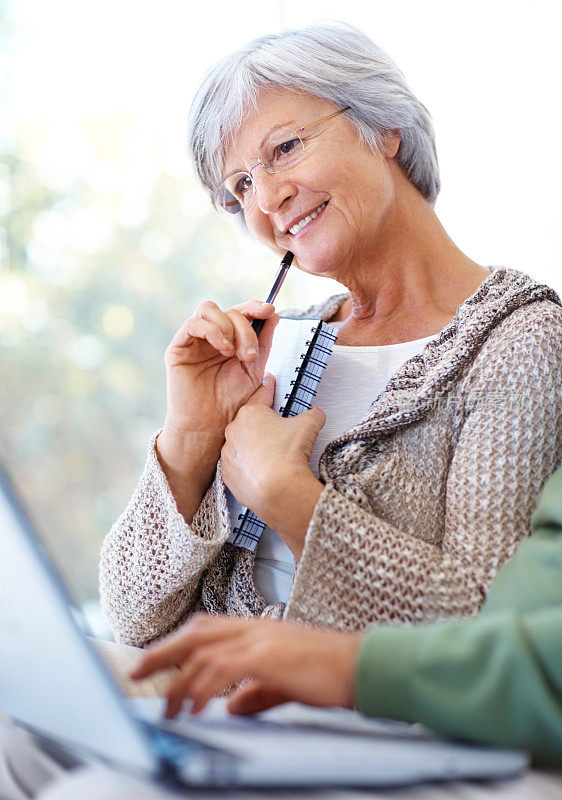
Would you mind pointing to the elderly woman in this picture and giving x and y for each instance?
(442, 397)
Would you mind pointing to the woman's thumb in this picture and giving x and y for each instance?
(264, 394)
(310, 424)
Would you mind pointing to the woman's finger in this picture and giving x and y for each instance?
(176, 648)
(206, 312)
(254, 697)
(246, 341)
(178, 690)
(222, 668)
(211, 669)
(255, 309)
(197, 328)
(211, 312)
(266, 340)
(264, 394)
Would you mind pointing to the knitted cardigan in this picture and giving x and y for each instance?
(423, 499)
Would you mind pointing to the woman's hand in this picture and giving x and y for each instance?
(265, 464)
(213, 365)
(286, 662)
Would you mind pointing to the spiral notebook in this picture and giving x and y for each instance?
(299, 354)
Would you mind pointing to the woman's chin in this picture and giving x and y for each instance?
(322, 268)
(322, 255)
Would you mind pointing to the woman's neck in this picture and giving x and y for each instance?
(411, 283)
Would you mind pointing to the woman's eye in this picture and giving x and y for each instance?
(285, 149)
(242, 186)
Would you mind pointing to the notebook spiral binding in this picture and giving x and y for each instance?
(304, 386)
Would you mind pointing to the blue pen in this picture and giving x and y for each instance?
(286, 262)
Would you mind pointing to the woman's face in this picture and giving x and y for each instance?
(355, 184)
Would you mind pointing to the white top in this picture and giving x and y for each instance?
(352, 381)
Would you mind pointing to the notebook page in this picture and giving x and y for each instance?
(289, 344)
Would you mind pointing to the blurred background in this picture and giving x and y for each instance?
(107, 243)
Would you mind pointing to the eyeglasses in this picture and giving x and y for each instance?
(283, 150)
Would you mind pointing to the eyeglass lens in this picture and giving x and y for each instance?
(281, 152)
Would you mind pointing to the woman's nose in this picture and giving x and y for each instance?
(271, 190)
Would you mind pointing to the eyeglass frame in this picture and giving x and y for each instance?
(267, 167)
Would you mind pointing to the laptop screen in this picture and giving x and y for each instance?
(51, 678)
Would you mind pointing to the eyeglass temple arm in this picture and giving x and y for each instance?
(323, 119)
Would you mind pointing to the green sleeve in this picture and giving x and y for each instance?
(496, 678)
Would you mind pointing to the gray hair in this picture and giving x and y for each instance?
(334, 62)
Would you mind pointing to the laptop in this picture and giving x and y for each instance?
(54, 682)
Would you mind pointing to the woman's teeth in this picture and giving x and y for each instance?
(296, 228)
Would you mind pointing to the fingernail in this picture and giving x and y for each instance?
(266, 379)
(251, 351)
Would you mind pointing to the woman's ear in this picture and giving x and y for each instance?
(391, 143)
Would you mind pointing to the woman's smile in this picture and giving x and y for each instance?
(299, 228)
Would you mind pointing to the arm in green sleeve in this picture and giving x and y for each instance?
(496, 678)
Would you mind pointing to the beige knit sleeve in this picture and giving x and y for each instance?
(152, 561)
(357, 569)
